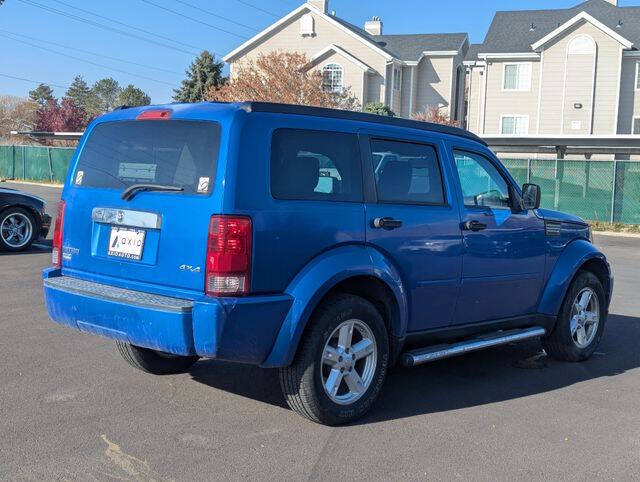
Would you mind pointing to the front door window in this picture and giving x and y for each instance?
(482, 184)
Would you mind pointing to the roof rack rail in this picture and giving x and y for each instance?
(252, 106)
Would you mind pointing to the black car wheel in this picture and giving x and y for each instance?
(154, 362)
(17, 229)
(581, 320)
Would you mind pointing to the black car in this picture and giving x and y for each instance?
(22, 219)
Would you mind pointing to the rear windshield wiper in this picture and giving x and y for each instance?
(131, 191)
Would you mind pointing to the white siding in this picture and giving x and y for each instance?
(629, 96)
(555, 119)
(501, 102)
(434, 83)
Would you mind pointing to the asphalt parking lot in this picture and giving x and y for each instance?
(71, 408)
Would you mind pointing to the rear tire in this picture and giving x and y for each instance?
(154, 362)
(579, 328)
(341, 363)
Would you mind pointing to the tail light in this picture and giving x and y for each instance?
(56, 253)
(228, 255)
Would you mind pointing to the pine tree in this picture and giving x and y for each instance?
(78, 92)
(132, 96)
(41, 94)
(106, 92)
(204, 73)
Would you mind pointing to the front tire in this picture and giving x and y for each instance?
(341, 363)
(581, 321)
(154, 362)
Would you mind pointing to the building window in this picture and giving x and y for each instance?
(397, 78)
(307, 26)
(517, 76)
(636, 125)
(637, 75)
(332, 78)
(514, 124)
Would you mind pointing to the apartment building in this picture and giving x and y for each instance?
(557, 72)
(409, 73)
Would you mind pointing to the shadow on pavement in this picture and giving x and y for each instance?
(42, 246)
(484, 377)
(245, 380)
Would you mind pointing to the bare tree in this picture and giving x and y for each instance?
(16, 114)
(284, 77)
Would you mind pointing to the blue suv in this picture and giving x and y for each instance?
(328, 244)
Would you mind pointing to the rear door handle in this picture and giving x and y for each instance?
(386, 223)
(474, 225)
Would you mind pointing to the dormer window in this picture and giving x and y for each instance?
(307, 25)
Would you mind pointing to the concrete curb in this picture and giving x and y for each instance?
(34, 183)
(614, 233)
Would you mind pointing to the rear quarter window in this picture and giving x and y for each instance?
(315, 165)
(176, 153)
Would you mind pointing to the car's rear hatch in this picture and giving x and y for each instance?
(153, 237)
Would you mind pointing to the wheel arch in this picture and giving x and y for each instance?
(357, 269)
(27, 207)
(578, 255)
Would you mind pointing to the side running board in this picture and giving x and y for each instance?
(437, 352)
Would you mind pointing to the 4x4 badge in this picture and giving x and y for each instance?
(188, 267)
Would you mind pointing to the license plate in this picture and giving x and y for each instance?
(126, 243)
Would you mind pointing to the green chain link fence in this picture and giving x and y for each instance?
(35, 163)
(606, 191)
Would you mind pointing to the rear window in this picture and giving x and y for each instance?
(315, 165)
(174, 153)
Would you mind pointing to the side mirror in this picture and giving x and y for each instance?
(530, 196)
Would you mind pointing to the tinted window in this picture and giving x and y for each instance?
(406, 172)
(482, 184)
(315, 165)
(176, 153)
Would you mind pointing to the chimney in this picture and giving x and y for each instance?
(322, 5)
(373, 26)
(613, 2)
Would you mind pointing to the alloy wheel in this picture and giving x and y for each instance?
(585, 317)
(16, 229)
(349, 360)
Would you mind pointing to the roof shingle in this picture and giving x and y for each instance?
(516, 31)
(410, 46)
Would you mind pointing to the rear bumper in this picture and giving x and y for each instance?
(234, 329)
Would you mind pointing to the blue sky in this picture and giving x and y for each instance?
(156, 68)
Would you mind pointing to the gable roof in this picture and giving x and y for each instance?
(291, 16)
(402, 47)
(511, 31)
(582, 16)
(318, 57)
